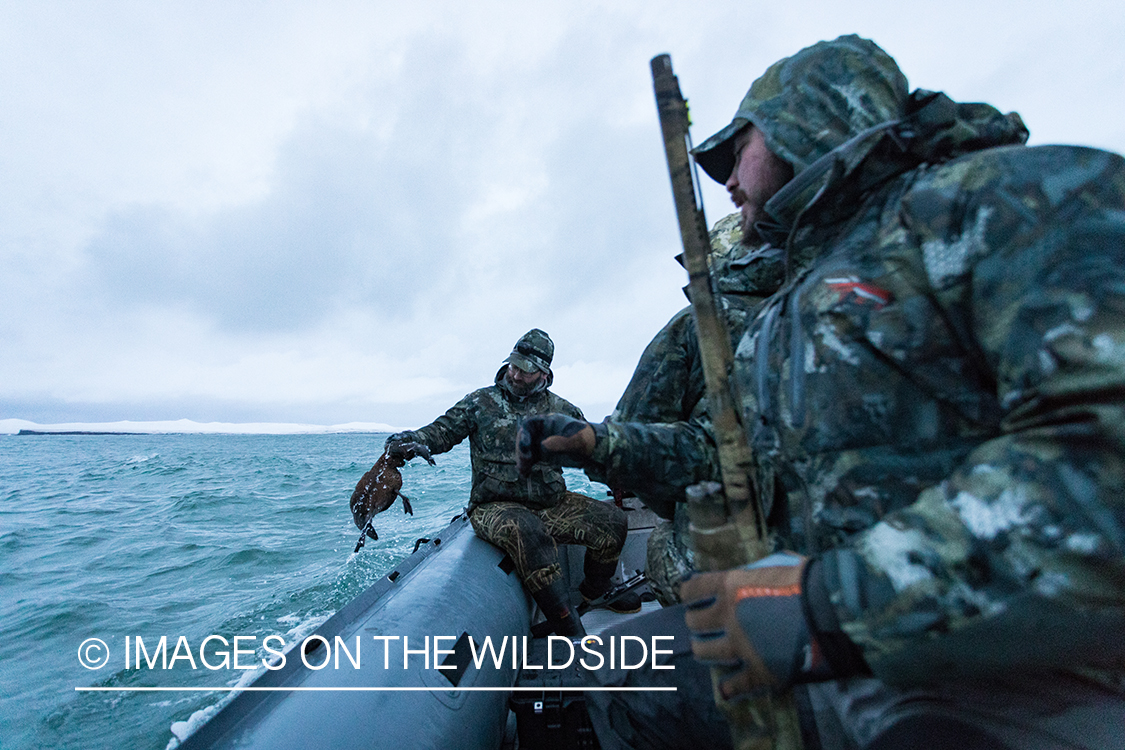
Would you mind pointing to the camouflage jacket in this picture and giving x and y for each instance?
(667, 385)
(938, 401)
(489, 417)
(936, 397)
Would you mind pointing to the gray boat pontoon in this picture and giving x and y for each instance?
(444, 604)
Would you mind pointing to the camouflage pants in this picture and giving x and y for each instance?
(668, 560)
(531, 536)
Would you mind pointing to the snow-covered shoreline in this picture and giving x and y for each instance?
(187, 426)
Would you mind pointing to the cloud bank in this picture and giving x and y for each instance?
(344, 211)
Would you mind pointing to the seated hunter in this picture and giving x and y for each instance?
(527, 518)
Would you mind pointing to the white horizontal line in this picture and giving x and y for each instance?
(374, 689)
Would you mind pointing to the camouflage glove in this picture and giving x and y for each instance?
(752, 620)
(399, 439)
(555, 437)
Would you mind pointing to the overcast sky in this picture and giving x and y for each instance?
(340, 211)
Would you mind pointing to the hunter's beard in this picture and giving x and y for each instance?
(750, 237)
(522, 389)
(749, 212)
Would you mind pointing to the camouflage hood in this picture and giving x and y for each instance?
(840, 114)
(811, 103)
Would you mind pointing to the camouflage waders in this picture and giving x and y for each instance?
(531, 536)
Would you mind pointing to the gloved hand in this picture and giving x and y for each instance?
(553, 435)
(752, 620)
(399, 439)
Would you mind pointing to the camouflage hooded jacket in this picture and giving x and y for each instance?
(489, 417)
(667, 385)
(936, 396)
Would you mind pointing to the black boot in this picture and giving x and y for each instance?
(597, 583)
(555, 603)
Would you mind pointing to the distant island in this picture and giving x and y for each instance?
(80, 432)
(16, 427)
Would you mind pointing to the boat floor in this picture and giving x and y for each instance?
(642, 521)
(597, 620)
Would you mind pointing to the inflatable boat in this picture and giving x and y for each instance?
(427, 657)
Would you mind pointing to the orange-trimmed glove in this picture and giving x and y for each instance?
(752, 621)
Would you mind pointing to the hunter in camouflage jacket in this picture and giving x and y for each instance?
(667, 384)
(667, 387)
(529, 516)
(488, 418)
(936, 396)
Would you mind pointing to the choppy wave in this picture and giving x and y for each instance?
(151, 535)
(179, 535)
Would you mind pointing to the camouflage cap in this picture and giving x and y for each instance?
(534, 351)
(808, 104)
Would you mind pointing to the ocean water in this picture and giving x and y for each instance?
(116, 536)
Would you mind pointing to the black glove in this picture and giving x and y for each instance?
(399, 439)
(572, 441)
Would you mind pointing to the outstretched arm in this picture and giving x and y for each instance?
(444, 432)
(657, 462)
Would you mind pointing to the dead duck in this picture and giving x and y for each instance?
(381, 485)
